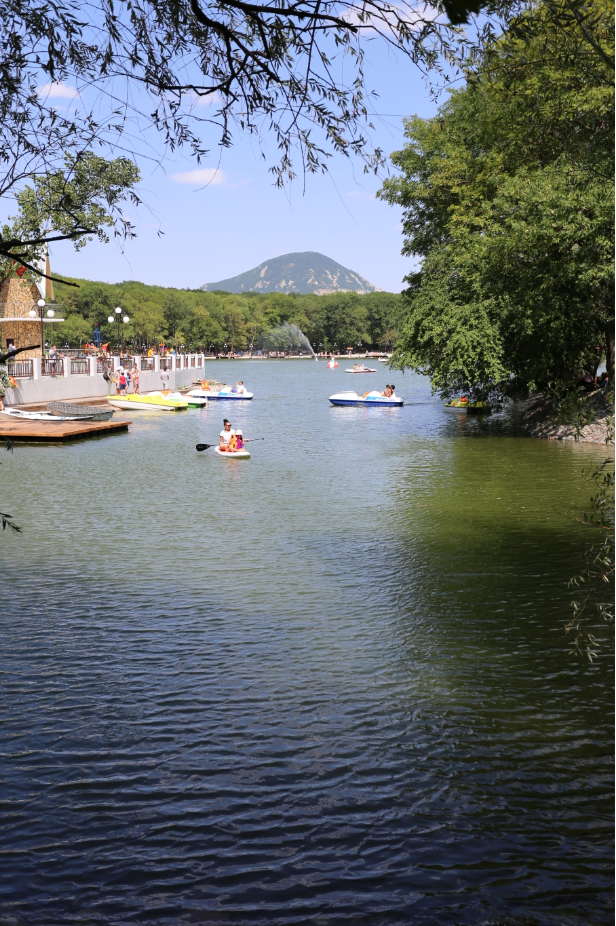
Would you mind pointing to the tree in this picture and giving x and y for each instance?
(78, 201)
(508, 199)
(293, 69)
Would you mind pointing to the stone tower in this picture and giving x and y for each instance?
(18, 298)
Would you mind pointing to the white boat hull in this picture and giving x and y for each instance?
(222, 395)
(351, 398)
(143, 406)
(233, 454)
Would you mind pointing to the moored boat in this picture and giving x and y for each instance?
(193, 401)
(42, 416)
(226, 392)
(472, 408)
(148, 403)
(69, 410)
(369, 398)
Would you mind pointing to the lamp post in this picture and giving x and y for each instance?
(41, 313)
(111, 320)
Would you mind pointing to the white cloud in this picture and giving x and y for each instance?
(210, 99)
(57, 91)
(205, 176)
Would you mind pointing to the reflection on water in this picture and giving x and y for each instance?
(326, 685)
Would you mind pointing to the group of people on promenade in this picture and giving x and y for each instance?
(122, 379)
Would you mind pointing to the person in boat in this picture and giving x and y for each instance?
(388, 391)
(226, 436)
(239, 387)
(239, 440)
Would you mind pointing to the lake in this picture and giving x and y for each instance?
(327, 685)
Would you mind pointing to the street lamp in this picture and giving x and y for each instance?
(111, 320)
(41, 312)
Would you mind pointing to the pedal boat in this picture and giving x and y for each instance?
(360, 369)
(224, 393)
(232, 454)
(369, 398)
(193, 400)
(148, 403)
(472, 408)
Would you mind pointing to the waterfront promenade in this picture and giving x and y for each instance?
(69, 378)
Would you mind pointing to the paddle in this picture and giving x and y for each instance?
(202, 447)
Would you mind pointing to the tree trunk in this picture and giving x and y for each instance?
(609, 353)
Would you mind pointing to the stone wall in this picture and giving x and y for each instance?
(537, 420)
(17, 298)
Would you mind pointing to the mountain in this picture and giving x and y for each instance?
(305, 272)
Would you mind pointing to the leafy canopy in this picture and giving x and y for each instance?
(78, 201)
(200, 319)
(508, 198)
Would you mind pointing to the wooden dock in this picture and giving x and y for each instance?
(49, 432)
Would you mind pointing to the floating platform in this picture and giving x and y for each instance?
(51, 432)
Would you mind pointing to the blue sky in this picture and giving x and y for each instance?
(241, 219)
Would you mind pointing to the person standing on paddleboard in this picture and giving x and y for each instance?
(225, 436)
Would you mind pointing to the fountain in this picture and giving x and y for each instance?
(285, 337)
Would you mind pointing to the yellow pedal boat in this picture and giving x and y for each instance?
(148, 403)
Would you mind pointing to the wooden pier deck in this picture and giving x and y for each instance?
(50, 432)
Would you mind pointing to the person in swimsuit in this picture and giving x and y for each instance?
(388, 391)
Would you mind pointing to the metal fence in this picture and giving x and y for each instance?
(165, 363)
(20, 369)
(52, 367)
(80, 367)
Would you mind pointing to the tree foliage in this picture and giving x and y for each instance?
(595, 584)
(508, 198)
(199, 319)
(80, 200)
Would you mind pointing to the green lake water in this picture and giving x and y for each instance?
(329, 684)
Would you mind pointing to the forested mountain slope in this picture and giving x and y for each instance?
(304, 272)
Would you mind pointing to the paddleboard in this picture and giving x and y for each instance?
(233, 455)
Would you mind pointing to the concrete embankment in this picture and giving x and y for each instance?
(38, 388)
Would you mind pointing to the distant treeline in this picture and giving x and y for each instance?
(203, 320)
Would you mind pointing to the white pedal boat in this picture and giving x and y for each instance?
(371, 398)
(42, 416)
(361, 369)
(332, 365)
(232, 454)
(224, 393)
(193, 401)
